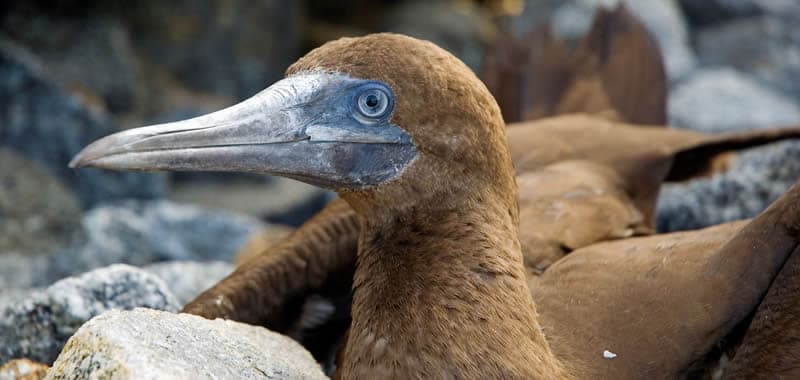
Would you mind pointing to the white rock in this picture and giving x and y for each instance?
(148, 344)
(609, 355)
(724, 100)
(187, 279)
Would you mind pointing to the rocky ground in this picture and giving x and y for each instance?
(75, 244)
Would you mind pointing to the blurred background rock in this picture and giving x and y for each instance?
(72, 71)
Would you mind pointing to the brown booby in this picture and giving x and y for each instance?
(415, 145)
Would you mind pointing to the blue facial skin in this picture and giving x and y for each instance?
(369, 149)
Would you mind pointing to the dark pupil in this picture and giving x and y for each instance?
(372, 101)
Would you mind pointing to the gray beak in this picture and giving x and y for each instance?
(317, 128)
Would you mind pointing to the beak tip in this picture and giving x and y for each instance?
(79, 161)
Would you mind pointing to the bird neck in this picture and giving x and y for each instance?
(441, 293)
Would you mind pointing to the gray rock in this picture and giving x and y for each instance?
(233, 48)
(757, 178)
(89, 54)
(458, 30)
(714, 11)
(144, 232)
(724, 100)
(768, 47)
(187, 279)
(39, 213)
(662, 18)
(18, 270)
(39, 119)
(148, 344)
(37, 326)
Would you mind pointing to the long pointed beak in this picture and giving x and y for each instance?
(299, 127)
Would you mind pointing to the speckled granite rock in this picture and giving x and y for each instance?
(43, 122)
(148, 344)
(144, 232)
(37, 212)
(187, 279)
(38, 325)
(757, 178)
(23, 369)
(662, 18)
(722, 99)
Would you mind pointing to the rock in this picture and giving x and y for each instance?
(661, 17)
(145, 232)
(39, 213)
(187, 279)
(148, 344)
(715, 11)
(19, 270)
(756, 178)
(233, 48)
(43, 122)
(279, 200)
(768, 47)
(23, 369)
(89, 53)
(724, 100)
(38, 326)
(462, 30)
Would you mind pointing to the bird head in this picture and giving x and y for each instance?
(373, 118)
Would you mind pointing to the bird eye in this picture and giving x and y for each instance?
(373, 103)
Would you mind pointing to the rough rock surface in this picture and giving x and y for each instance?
(187, 279)
(39, 119)
(38, 212)
(724, 100)
(757, 178)
(23, 369)
(144, 232)
(37, 326)
(768, 47)
(148, 344)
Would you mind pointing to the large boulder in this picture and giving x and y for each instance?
(48, 125)
(39, 212)
(148, 344)
(725, 100)
(36, 325)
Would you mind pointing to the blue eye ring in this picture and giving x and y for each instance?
(374, 101)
